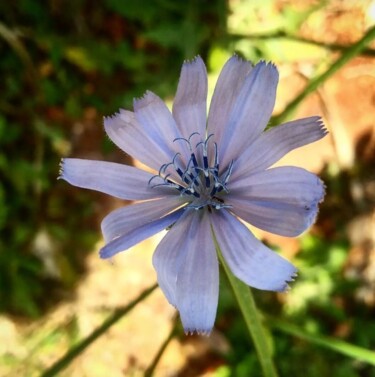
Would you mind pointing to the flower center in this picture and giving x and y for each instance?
(199, 181)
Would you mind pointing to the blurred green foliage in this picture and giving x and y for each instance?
(59, 60)
(320, 303)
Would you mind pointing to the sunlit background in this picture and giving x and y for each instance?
(65, 65)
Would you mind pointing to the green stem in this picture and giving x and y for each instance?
(252, 319)
(349, 54)
(296, 38)
(65, 361)
(151, 369)
(333, 344)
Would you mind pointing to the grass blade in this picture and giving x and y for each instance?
(347, 55)
(76, 350)
(252, 319)
(337, 345)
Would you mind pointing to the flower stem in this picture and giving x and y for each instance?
(76, 350)
(349, 53)
(252, 319)
(174, 331)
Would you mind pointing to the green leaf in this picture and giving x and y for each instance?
(336, 345)
(258, 333)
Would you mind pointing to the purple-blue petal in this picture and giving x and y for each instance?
(130, 217)
(170, 254)
(160, 125)
(197, 286)
(272, 145)
(250, 113)
(248, 259)
(136, 235)
(190, 103)
(187, 270)
(136, 140)
(226, 91)
(282, 200)
(121, 181)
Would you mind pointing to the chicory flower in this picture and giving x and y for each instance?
(211, 174)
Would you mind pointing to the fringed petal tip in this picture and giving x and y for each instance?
(111, 123)
(196, 59)
(324, 189)
(109, 119)
(319, 196)
(322, 127)
(107, 254)
(286, 288)
(261, 62)
(61, 169)
(312, 210)
(238, 57)
(146, 99)
(115, 122)
(102, 254)
(268, 64)
(109, 260)
(201, 332)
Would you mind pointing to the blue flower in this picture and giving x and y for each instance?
(210, 173)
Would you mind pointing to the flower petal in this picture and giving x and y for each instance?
(136, 140)
(272, 145)
(197, 286)
(126, 219)
(188, 273)
(189, 106)
(281, 200)
(170, 254)
(136, 235)
(121, 181)
(247, 257)
(251, 111)
(227, 88)
(159, 124)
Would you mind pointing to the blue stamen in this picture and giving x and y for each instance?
(198, 180)
(213, 191)
(193, 134)
(194, 161)
(163, 168)
(187, 140)
(205, 162)
(207, 180)
(228, 173)
(181, 138)
(194, 179)
(216, 162)
(152, 178)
